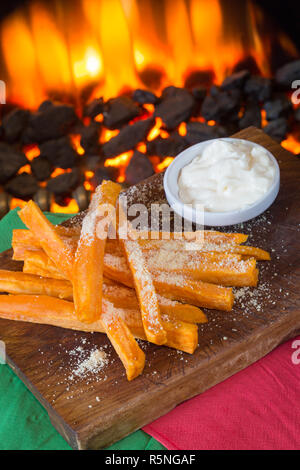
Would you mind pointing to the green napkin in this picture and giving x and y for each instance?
(24, 423)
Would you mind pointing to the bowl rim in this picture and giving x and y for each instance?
(185, 157)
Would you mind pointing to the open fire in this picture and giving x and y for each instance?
(137, 81)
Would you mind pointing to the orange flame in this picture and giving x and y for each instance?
(75, 139)
(25, 169)
(182, 129)
(107, 134)
(59, 171)
(70, 208)
(95, 48)
(32, 152)
(291, 144)
(155, 131)
(164, 164)
(15, 202)
(120, 160)
(112, 45)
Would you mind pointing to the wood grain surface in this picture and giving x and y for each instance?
(97, 410)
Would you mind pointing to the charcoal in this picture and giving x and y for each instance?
(104, 173)
(176, 106)
(152, 76)
(236, 80)
(221, 104)
(247, 63)
(4, 203)
(14, 123)
(198, 132)
(59, 153)
(63, 184)
(118, 111)
(89, 140)
(43, 199)
(277, 107)
(251, 116)
(10, 162)
(199, 78)
(94, 108)
(169, 147)
(258, 88)
(231, 127)
(139, 168)
(144, 97)
(288, 73)
(170, 92)
(92, 161)
(45, 105)
(214, 90)
(199, 93)
(127, 138)
(41, 168)
(277, 129)
(297, 115)
(82, 197)
(22, 186)
(51, 122)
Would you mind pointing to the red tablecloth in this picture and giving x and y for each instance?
(257, 408)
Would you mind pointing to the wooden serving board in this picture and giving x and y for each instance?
(98, 410)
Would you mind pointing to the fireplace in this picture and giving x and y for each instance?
(117, 88)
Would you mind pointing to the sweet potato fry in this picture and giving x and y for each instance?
(88, 264)
(123, 341)
(143, 282)
(20, 252)
(174, 287)
(30, 268)
(214, 242)
(58, 251)
(180, 335)
(217, 268)
(120, 296)
(198, 239)
(50, 311)
(211, 236)
(201, 294)
(249, 252)
(207, 236)
(181, 312)
(182, 257)
(125, 297)
(21, 283)
(24, 236)
(145, 292)
(23, 240)
(41, 260)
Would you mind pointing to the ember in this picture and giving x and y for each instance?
(117, 100)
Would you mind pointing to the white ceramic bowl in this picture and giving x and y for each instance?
(215, 219)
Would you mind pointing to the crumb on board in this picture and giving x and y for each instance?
(93, 364)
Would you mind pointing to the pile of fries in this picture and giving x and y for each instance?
(152, 289)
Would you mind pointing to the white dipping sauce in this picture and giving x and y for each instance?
(226, 176)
